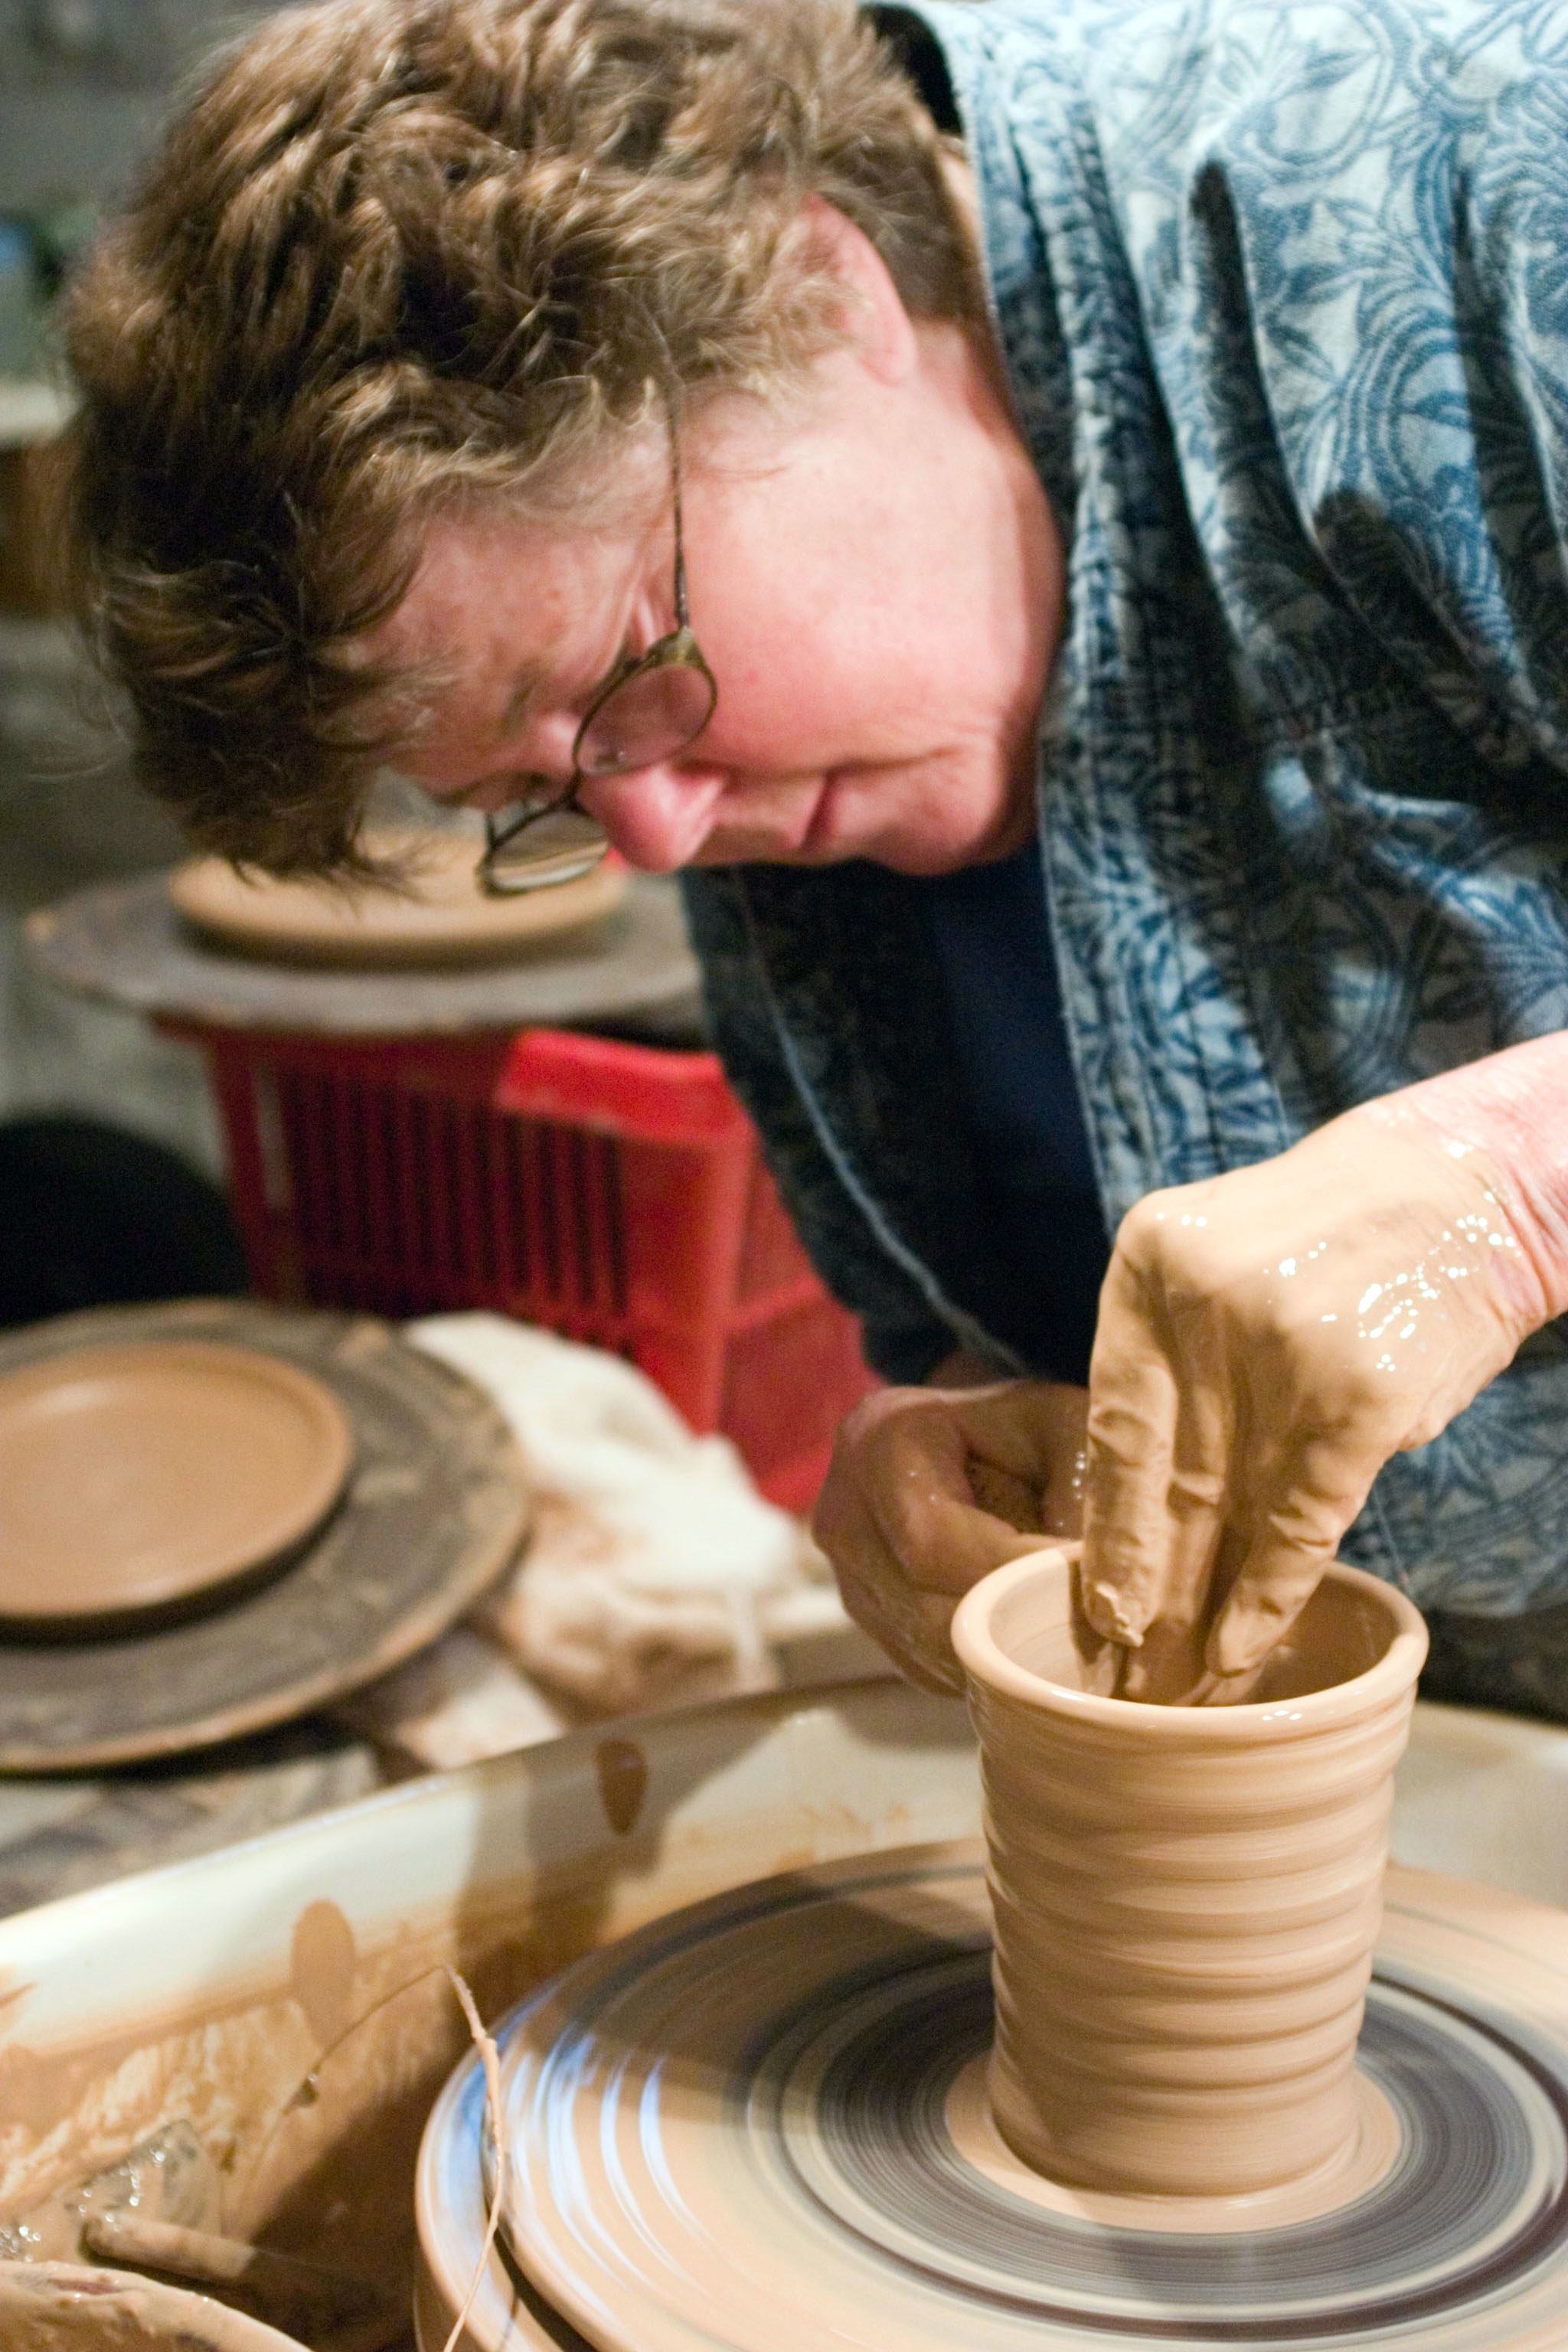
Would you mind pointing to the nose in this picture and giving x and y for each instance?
(656, 817)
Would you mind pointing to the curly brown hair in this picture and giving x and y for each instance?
(396, 256)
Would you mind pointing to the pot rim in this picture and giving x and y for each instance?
(985, 1661)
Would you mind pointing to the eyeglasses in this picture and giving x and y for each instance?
(650, 706)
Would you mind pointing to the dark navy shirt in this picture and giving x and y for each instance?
(991, 935)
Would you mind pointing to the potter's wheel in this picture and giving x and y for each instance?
(758, 2123)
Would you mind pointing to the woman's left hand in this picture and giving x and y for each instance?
(1266, 1339)
(930, 1489)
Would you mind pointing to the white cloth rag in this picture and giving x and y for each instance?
(655, 1575)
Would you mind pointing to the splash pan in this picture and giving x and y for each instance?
(203, 1994)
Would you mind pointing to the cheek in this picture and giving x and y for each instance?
(817, 664)
(804, 698)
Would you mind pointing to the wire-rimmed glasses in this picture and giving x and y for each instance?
(651, 706)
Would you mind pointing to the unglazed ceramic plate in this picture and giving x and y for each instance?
(434, 1508)
(441, 916)
(753, 2125)
(134, 1478)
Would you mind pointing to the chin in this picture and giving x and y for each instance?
(953, 829)
(925, 858)
(927, 842)
(925, 862)
(922, 861)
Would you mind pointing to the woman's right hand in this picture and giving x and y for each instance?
(930, 1489)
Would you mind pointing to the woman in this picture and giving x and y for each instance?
(1112, 444)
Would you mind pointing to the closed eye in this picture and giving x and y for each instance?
(532, 690)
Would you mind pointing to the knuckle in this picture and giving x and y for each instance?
(1195, 1494)
(1142, 1233)
(867, 1421)
(1172, 1224)
(1122, 1431)
(835, 1510)
(1310, 1523)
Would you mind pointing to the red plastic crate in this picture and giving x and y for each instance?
(614, 1193)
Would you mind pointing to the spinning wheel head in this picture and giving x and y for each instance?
(756, 2125)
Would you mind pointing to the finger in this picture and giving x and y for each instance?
(913, 1628)
(916, 1481)
(1308, 1504)
(1171, 1667)
(1027, 1440)
(1195, 1496)
(1005, 1496)
(1167, 1667)
(1133, 1411)
(1023, 1427)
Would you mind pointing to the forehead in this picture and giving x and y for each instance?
(483, 584)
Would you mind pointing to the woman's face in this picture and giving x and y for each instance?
(875, 583)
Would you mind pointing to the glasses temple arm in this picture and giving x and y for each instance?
(682, 616)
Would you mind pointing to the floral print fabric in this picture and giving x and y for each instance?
(1283, 297)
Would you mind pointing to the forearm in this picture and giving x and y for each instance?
(1511, 1108)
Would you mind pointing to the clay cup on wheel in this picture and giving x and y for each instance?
(1185, 1898)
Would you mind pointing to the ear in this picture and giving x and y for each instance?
(879, 327)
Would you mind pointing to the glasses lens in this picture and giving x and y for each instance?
(653, 715)
(555, 848)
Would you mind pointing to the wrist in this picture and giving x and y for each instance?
(1504, 1119)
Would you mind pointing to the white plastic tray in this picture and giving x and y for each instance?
(215, 1989)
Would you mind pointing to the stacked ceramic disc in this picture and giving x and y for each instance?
(215, 1515)
(434, 913)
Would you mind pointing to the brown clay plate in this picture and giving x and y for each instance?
(137, 1476)
(437, 1503)
(441, 916)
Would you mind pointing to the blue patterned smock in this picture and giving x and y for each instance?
(1283, 295)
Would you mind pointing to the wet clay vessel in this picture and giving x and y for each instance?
(1185, 1899)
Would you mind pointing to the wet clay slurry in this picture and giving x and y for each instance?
(57, 2307)
(323, 1964)
(621, 1768)
(1185, 1898)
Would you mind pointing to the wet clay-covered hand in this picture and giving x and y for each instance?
(930, 1489)
(1266, 1339)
